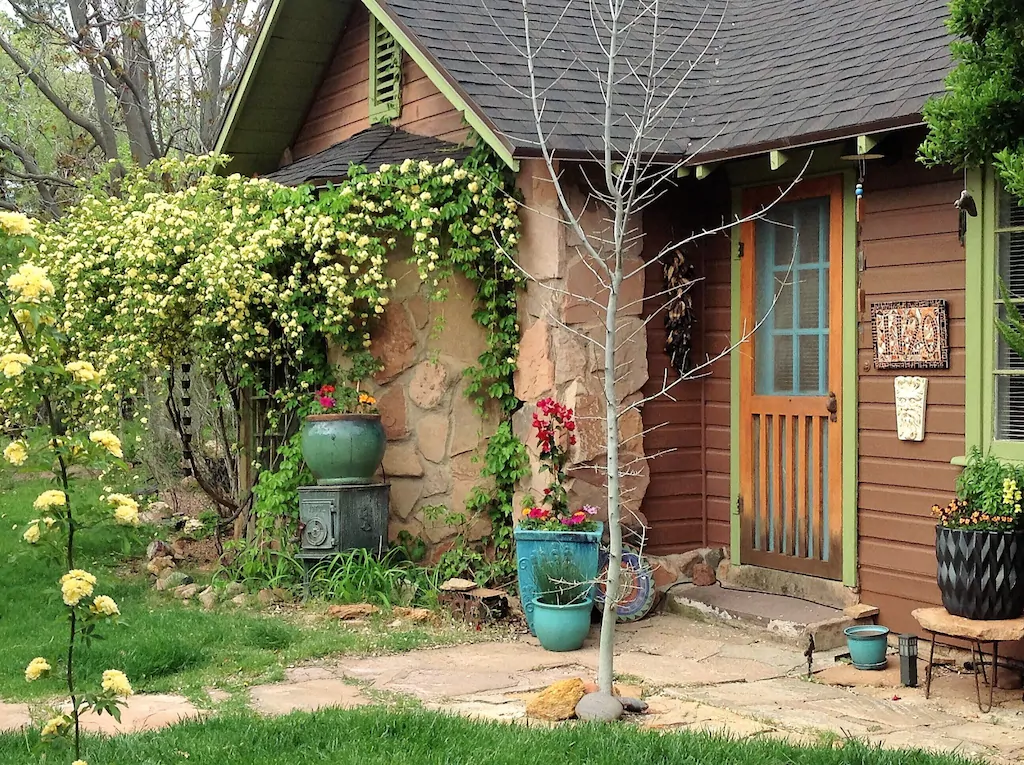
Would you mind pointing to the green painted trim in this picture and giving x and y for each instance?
(777, 159)
(734, 382)
(384, 108)
(979, 232)
(242, 89)
(960, 460)
(472, 113)
(851, 329)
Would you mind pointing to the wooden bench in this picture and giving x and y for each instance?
(938, 621)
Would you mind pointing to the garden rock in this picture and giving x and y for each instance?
(704, 575)
(352, 611)
(240, 600)
(155, 512)
(233, 589)
(172, 578)
(186, 591)
(417, 615)
(268, 596)
(632, 705)
(599, 707)
(558, 701)
(158, 549)
(160, 564)
(208, 598)
(458, 585)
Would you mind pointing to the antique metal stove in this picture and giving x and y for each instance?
(333, 519)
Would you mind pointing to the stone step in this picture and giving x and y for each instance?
(785, 619)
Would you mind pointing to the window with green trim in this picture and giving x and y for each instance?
(1008, 369)
(385, 74)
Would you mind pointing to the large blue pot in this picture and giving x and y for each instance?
(581, 546)
(562, 628)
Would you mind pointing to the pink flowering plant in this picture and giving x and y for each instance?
(348, 400)
(555, 427)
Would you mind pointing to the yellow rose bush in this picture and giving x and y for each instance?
(38, 374)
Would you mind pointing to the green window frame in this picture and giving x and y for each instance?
(385, 74)
(985, 369)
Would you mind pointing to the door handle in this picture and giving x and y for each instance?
(832, 407)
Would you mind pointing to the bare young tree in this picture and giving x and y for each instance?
(159, 73)
(642, 61)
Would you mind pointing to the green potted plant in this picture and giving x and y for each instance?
(564, 601)
(552, 529)
(343, 439)
(979, 541)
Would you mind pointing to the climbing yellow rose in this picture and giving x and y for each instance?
(126, 515)
(82, 371)
(13, 364)
(104, 605)
(31, 534)
(16, 224)
(75, 585)
(56, 725)
(37, 668)
(108, 441)
(16, 453)
(50, 498)
(30, 283)
(115, 681)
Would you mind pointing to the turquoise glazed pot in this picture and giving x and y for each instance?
(582, 546)
(867, 644)
(562, 628)
(343, 448)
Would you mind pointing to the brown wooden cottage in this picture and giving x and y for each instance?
(787, 452)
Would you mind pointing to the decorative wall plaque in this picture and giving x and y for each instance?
(911, 334)
(911, 399)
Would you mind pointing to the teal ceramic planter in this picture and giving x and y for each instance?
(562, 628)
(581, 546)
(867, 644)
(343, 448)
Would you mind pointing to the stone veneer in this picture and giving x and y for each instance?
(434, 431)
(558, 361)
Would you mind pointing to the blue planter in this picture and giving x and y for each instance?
(867, 644)
(562, 628)
(581, 545)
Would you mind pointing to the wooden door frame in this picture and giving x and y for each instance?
(838, 185)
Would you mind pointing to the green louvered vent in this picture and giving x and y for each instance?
(385, 74)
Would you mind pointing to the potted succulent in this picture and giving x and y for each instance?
(979, 541)
(343, 439)
(564, 601)
(551, 529)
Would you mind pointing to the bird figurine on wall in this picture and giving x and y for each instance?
(967, 206)
(679, 318)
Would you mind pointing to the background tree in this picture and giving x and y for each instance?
(115, 79)
(980, 118)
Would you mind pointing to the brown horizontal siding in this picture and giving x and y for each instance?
(687, 502)
(908, 237)
(342, 106)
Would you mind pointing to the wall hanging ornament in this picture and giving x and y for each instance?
(911, 402)
(679, 318)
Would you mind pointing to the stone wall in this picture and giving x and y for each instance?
(434, 432)
(555, 357)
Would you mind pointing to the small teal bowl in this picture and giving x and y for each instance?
(867, 644)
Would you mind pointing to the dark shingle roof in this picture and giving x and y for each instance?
(370, 148)
(766, 73)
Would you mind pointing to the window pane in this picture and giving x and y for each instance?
(1011, 260)
(809, 298)
(810, 365)
(783, 372)
(1005, 357)
(808, 232)
(1010, 407)
(1010, 212)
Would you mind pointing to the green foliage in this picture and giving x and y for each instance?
(980, 117)
(1012, 329)
(358, 576)
(560, 579)
(988, 496)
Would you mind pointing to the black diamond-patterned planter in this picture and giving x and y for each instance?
(981, 573)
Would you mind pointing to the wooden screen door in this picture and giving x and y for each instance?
(790, 380)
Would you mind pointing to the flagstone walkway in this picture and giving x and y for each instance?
(694, 675)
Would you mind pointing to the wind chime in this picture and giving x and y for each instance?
(679, 318)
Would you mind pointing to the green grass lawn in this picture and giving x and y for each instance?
(162, 645)
(373, 736)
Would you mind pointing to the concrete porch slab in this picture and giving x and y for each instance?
(787, 619)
